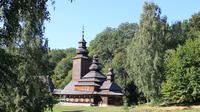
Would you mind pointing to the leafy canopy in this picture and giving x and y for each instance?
(25, 48)
(182, 70)
(145, 53)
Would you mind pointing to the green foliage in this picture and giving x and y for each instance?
(112, 41)
(145, 53)
(194, 23)
(66, 80)
(25, 48)
(120, 59)
(55, 56)
(62, 69)
(100, 45)
(122, 78)
(182, 70)
(111, 46)
(8, 62)
(177, 34)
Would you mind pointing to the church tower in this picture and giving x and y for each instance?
(81, 62)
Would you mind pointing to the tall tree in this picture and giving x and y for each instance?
(145, 53)
(22, 40)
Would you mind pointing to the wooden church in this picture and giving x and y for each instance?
(88, 85)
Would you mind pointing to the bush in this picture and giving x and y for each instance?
(182, 70)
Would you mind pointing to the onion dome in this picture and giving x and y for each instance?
(95, 69)
(82, 49)
(110, 75)
(110, 86)
(95, 64)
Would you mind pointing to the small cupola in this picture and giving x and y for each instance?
(95, 64)
(110, 75)
(82, 49)
(95, 69)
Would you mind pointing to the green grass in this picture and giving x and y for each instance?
(58, 108)
(192, 110)
(142, 108)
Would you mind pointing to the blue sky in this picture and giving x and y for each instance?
(64, 29)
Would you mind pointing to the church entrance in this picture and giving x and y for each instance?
(97, 100)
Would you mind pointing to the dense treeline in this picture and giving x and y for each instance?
(182, 73)
(61, 65)
(153, 61)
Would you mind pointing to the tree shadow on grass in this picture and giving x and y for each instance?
(74, 111)
(180, 104)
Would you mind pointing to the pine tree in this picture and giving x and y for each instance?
(145, 53)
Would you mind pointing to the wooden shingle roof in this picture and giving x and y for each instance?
(110, 86)
(94, 74)
(91, 80)
(70, 89)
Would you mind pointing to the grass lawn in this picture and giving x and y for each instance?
(141, 108)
